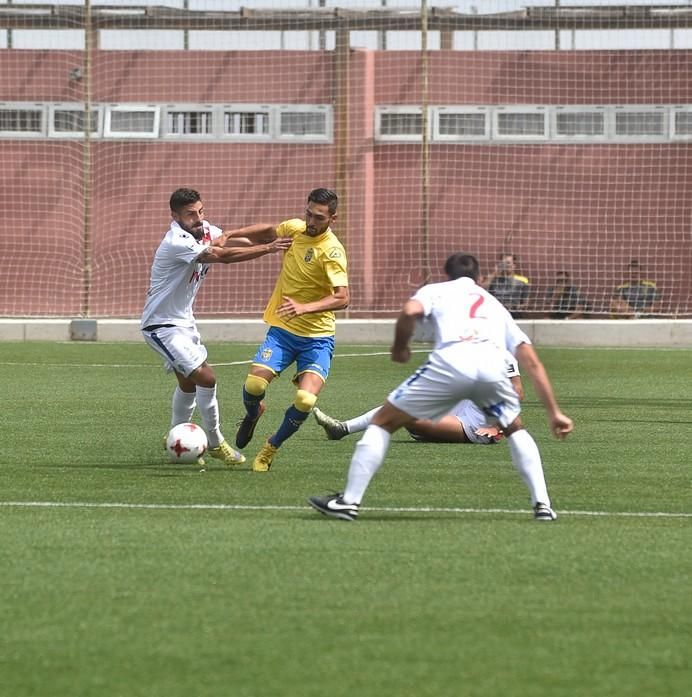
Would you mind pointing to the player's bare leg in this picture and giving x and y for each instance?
(447, 430)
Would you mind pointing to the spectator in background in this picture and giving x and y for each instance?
(508, 286)
(634, 297)
(564, 299)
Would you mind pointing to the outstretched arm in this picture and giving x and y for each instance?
(259, 233)
(232, 254)
(530, 363)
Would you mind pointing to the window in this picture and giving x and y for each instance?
(21, 120)
(582, 123)
(306, 123)
(639, 122)
(193, 121)
(461, 124)
(246, 121)
(68, 120)
(399, 123)
(683, 123)
(521, 123)
(131, 121)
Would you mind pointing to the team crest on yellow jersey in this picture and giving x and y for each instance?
(266, 354)
(309, 254)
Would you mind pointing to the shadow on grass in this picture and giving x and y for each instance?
(423, 516)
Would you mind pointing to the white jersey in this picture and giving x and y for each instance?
(462, 311)
(176, 276)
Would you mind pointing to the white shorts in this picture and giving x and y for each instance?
(180, 348)
(459, 371)
(471, 419)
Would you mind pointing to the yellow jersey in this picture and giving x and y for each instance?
(311, 269)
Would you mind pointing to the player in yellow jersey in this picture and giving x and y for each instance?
(312, 284)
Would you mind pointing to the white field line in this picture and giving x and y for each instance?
(380, 509)
(157, 366)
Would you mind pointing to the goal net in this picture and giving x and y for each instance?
(553, 141)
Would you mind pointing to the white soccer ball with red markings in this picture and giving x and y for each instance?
(186, 443)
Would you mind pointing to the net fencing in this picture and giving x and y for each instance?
(556, 138)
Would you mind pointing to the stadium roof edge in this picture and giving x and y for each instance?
(32, 16)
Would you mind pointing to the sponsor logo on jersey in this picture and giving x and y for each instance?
(334, 254)
(309, 255)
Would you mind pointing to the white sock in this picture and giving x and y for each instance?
(183, 406)
(527, 460)
(366, 460)
(209, 413)
(360, 423)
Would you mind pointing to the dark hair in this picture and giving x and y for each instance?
(183, 197)
(461, 264)
(326, 197)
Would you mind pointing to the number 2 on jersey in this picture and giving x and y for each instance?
(473, 312)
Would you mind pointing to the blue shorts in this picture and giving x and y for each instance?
(312, 354)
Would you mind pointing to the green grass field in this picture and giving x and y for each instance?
(123, 575)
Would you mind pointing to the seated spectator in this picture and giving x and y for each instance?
(635, 297)
(564, 299)
(508, 286)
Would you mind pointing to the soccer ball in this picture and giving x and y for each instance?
(186, 443)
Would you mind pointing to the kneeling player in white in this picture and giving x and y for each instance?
(466, 423)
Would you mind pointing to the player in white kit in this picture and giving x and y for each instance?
(168, 325)
(472, 332)
(466, 423)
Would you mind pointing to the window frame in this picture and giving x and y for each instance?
(77, 107)
(133, 108)
(644, 109)
(326, 109)
(381, 111)
(248, 109)
(498, 111)
(473, 110)
(39, 107)
(555, 111)
(678, 109)
(190, 107)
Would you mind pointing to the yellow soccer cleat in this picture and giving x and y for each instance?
(226, 454)
(264, 458)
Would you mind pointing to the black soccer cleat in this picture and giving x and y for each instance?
(334, 428)
(246, 428)
(542, 511)
(334, 507)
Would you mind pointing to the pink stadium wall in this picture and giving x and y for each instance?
(587, 208)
